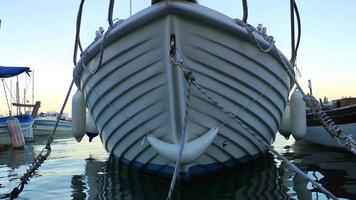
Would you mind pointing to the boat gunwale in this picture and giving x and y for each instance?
(197, 12)
(341, 116)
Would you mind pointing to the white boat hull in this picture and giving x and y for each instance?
(318, 135)
(26, 127)
(45, 126)
(137, 91)
(344, 117)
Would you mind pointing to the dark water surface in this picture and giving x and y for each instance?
(85, 171)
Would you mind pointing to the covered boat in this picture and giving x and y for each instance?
(25, 120)
(179, 82)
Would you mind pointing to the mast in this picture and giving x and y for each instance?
(130, 8)
(17, 95)
(33, 87)
(310, 87)
(11, 97)
(24, 99)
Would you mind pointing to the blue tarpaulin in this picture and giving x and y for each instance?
(6, 72)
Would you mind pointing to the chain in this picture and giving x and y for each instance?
(229, 113)
(269, 147)
(175, 59)
(42, 156)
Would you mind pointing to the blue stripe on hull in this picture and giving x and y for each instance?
(52, 125)
(196, 171)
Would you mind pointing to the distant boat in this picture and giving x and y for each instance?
(45, 123)
(135, 81)
(342, 112)
(26, 120)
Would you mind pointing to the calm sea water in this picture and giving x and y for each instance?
(85, 171)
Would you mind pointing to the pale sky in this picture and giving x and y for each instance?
(40, 34)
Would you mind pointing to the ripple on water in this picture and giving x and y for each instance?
(84, 171)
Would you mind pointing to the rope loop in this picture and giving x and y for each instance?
(269, 39)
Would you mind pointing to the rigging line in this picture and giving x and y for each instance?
(7, 100)
(299, 26)
(26, 88)
(293, 56)
(61, 112)
(80, 45)
(77, 39)
(12, 98)
(294, 47)
(245, 11)
(101, 52)
(111, 8)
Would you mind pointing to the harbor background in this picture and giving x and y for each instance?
(41, 35)
(85, 171)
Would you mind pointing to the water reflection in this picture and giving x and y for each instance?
(84, 171)
(263, 180)
(14, 158)
(335, 169)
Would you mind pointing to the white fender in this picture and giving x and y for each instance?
(90, 128)
(284, 127)
(14, 127)
(78, 116)
(298, 115)
(191, 151)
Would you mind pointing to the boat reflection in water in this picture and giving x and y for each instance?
(85, 172)
(110, 180)
(335, 169)
(15, 158)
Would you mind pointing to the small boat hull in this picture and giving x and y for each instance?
(45, 126)
(26, 123)
(344, 117)
(137, 91)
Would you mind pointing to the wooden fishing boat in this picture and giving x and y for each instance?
(343, 113)
(179, 71)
